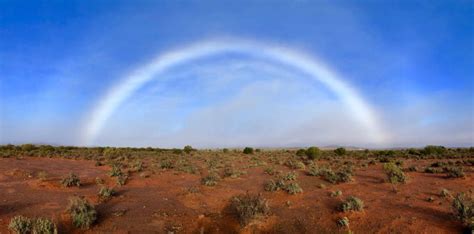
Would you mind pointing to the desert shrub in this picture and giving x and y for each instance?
(71, 180)
(313, 171)
(20, 224)
(433, 149)
(290, 176)
(340, 151)
(231, 172)
(343, 175)
(445, 193)
(248, 150)
(186, 166)
(248, 207)
(225, 150)
(138, 166)
(258, 150)
(293, 188)
(313, 152)
(463, 206)
(343, 222)
(301, 153)
(83, 214)
(122, 179)
(384, 159)
(44, 226)
(336, 193)
(99, 181)
(273, 186)
(166, 164)
(106, 193)
(352, 203)
(28, 147)
(295, 164)
(188, 149)
(454, 172)
(413, 151)
(116, 170)
(433, 170)
(270, 170)
(394, 173)
(210, 180)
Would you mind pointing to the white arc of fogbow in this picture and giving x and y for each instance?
(315, 68)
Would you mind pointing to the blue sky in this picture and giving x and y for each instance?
(411, 61)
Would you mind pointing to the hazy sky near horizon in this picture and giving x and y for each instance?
(412, 62)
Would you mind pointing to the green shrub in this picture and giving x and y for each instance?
(340, 151)
(71, 180)
(433, 170)
(433, 149)
(188, 149)
(454, 172)
(463, 206)
(270, 171)
(138, 166)
(225, 150)
(248, 150)
(106, 193)
(83, 214)
(290, 176)
(116, 170)
(249, 207)
(231, 172)
(44, 226)
(295, 164)
(343, 222)
(293, 188)
(20, 224)
(313, 152)
(210, 180)
(122, 179)
(28, 147)
(352, 204)
(341, 176)
(166, 164)
(301, 153)
(273, 186)
(336, 193)
(313, 171)
(394, 173)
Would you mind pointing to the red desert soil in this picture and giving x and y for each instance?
(177, 202)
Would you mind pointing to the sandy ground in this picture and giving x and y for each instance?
(177, 202)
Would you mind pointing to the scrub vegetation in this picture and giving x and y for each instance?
(235, 190)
